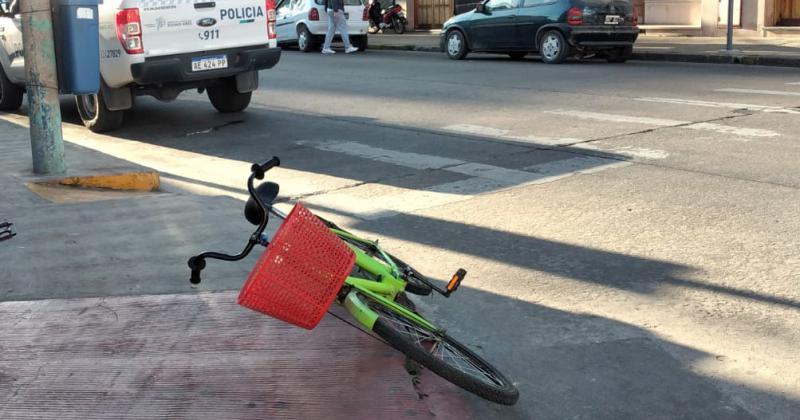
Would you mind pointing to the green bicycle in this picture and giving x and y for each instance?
(311, 263)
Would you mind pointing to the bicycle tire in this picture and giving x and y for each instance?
(471, 373)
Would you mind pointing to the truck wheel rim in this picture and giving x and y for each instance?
(454, 44)
(89, 105)
(551, 47)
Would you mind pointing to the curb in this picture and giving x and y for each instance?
(756, 60)
(123, 181)
(655, 56)
(405, 48)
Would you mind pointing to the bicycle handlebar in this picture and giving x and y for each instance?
(259, 170)
(198, 262)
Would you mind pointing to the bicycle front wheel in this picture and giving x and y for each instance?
(443, 355)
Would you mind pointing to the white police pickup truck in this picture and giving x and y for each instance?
(161, 48)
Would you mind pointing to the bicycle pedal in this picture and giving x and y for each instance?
(456, 280)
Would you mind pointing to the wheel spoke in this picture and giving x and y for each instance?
(437, 347)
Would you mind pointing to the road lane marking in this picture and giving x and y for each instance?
(480, 130)
(710, 104)
(758, 91)
(597, 116)
(739, 131)
(578, 164)
(793, 83)
(406, 159)
(724, 129)
(482, 179)
(629, 151)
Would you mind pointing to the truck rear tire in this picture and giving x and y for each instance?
(227, 99)
(10, 94)
(95, 115)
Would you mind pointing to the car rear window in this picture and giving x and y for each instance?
(346, 2)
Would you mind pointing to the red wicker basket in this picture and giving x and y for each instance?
(299, 274)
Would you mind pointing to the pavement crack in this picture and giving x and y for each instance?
(741, 113)
(101, 305)
(214, 128)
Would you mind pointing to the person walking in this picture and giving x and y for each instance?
(336, 20)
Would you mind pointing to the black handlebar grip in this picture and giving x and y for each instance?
(259, 170)
(196, 265)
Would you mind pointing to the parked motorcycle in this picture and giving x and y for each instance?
(392, 17)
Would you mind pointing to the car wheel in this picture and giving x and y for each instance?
(517, 55)
(553, 47)
(95, 114)
(619, 55)
(456, 45)
(10, 94)
(226, 98)
(305, 41)
(359, 42)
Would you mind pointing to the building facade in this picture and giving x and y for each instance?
(684, 17)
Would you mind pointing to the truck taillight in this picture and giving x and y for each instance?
(129, 31)
(313, 14)
(270, 6)
(365, 15)
(575, 16)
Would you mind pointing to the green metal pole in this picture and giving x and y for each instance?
(44, 112)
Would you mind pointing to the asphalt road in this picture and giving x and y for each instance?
(631, 231)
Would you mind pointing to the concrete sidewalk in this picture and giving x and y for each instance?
(759, 51)
(99, 320)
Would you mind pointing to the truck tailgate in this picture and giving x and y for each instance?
(179, 26)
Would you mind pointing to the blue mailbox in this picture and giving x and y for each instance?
(77, 39)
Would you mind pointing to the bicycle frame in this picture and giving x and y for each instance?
(383, 290)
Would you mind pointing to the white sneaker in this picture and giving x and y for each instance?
(328, 51)
(351, 50)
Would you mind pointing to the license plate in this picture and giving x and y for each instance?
(209, 63)
(613, 19)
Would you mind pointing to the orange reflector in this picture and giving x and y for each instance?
(453, 282)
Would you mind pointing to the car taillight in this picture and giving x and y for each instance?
(270, 6)
(575, 16)
(313, 14)
(129, 31)
(634, 19)
(365, 15)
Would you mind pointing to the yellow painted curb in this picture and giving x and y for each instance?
(130, 181)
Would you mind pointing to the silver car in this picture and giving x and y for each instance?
(304, 23)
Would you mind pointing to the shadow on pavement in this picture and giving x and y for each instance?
(567, 365)
(626, 272)
(301, 147)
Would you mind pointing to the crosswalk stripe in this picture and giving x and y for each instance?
(710, 104)
(725, 129)
(758, 91)
(597, 116)
(739, 131)
(480, 130)
(406, 159)
(629, 151)
(483, 178)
